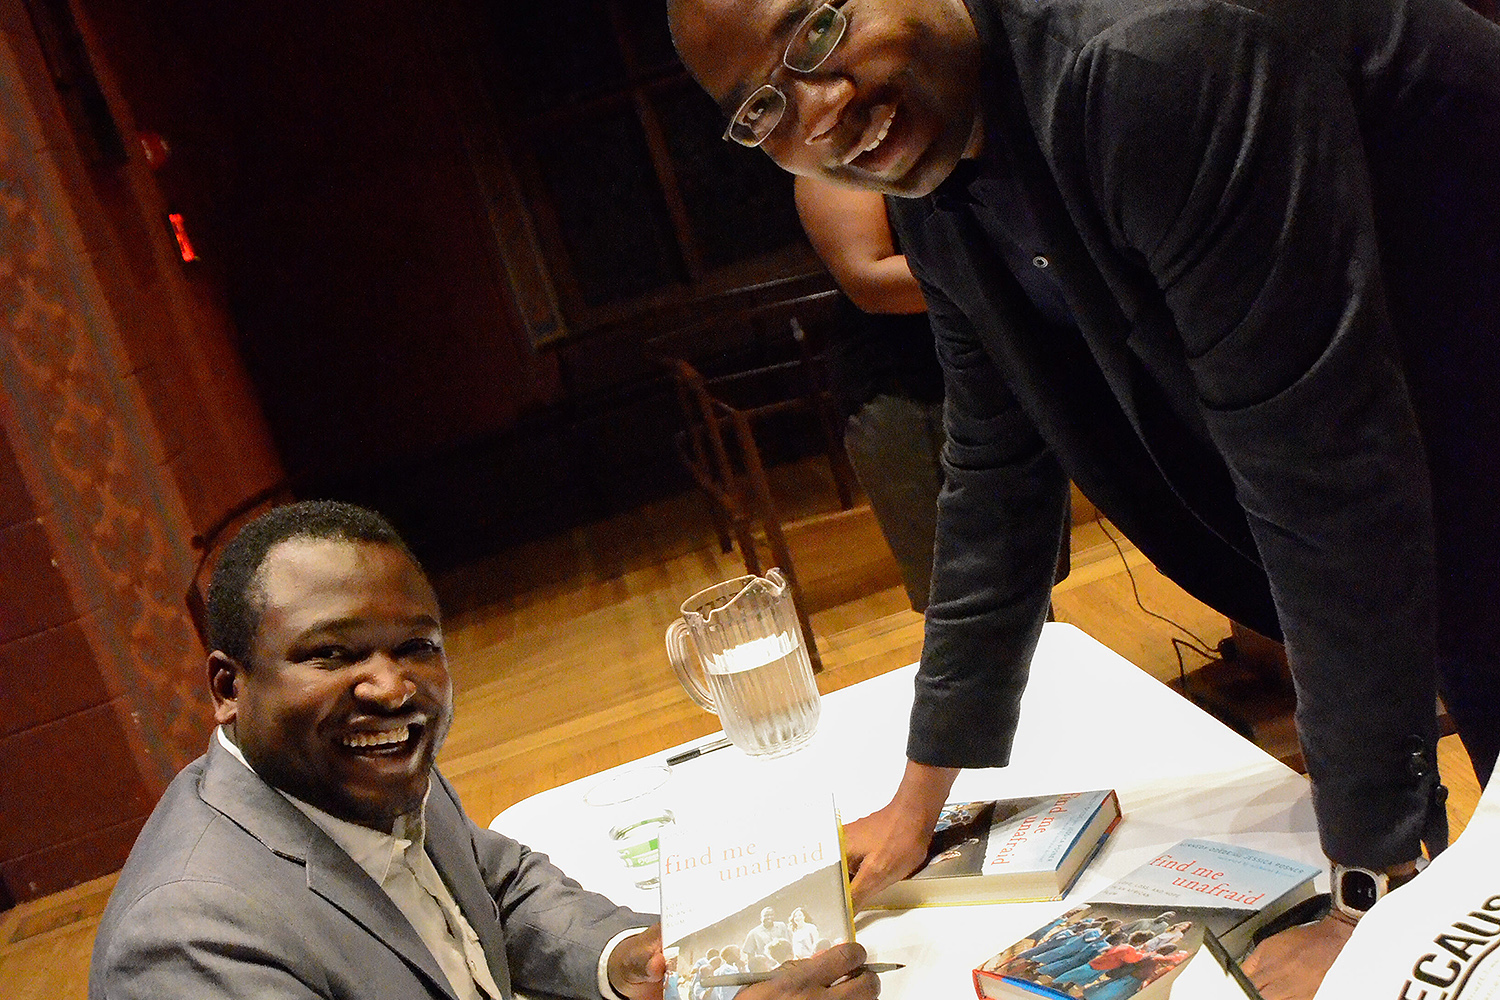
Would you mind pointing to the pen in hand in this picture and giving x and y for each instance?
(750, 978)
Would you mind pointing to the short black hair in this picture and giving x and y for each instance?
(233, 608)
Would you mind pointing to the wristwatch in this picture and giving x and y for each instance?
(1356, 889)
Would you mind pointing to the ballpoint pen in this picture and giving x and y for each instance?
(749, 978)
(698, 751)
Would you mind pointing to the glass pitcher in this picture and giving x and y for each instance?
(752, 668)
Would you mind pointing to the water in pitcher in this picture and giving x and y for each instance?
(765, 694)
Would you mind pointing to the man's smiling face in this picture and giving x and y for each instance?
(893, 108)
(347, 697)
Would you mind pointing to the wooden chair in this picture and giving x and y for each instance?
(718, 444)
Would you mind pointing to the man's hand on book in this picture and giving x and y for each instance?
(637, 966)
(890, 844)
(835, 974)
(1291, 965)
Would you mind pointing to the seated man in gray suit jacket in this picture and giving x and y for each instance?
(315, 852)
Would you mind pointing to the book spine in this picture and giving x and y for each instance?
(843, 867)
(990, 986)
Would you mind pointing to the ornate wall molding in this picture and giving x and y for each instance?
(88, 448)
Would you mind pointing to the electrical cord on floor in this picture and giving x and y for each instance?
(1213, 706)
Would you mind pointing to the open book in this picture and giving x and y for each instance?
(750, 886)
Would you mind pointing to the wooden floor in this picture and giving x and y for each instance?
(559, 671)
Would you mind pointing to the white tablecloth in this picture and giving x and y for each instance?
(1089, 719)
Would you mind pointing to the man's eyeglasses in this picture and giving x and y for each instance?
(811, 44)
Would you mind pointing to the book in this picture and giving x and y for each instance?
(1135, 936)
(1007, 850)
(745, 888)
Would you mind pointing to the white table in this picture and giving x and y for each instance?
(1089, 719)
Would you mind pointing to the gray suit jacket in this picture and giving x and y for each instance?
(230, 891)
(1276, 225)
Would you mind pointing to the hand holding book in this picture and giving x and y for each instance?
(747, 978)
(1294, 962)
(752, 894)
(841, 966)
(891, 843)
(637, 965)
(1006, 850)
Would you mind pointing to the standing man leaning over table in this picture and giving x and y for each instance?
(315, 851)
(1234, 268)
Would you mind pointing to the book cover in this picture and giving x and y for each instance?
(745, 889)
(1135, 936)
(1007, 850)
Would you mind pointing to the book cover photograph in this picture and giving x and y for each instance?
(1007, 850)
(1135, 936)
(746, 891)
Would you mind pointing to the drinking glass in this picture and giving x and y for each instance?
(632, 811)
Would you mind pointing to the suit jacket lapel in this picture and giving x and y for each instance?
(452, 853)
(260, 810)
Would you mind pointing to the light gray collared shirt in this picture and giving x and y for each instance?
(400, 866)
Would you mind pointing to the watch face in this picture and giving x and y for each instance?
(1357, 889)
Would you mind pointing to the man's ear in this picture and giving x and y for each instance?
(224, 685)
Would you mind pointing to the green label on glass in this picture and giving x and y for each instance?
(641, 855)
